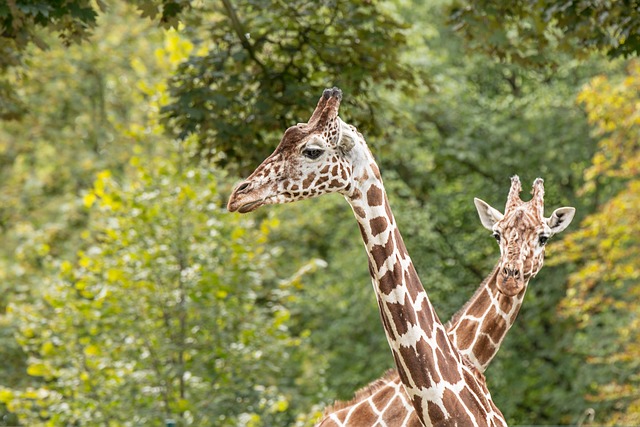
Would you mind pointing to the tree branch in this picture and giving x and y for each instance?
(241, 33)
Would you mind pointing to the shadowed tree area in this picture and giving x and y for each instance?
(130, 296)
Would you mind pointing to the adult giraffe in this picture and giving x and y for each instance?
(479, 328)
(326, 155)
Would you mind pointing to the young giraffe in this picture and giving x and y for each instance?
(326, 155)
(479, 328)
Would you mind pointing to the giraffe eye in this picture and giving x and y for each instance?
(543, 240)
(496, 236)
(312, 153)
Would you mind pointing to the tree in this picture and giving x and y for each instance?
(172, 309)
(264, 60)
(602, 296)
(530, 32)
(84, 115)
(32, 22)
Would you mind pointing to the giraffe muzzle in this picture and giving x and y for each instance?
(511, 281)
(242, 200)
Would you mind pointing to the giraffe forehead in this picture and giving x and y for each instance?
(525, 217)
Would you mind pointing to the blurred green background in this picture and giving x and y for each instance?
(129, 294)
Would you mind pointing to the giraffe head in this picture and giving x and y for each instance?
(522, 232)
(312, 158)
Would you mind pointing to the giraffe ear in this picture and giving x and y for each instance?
(488, 215)
(347, 138)
(560, 219)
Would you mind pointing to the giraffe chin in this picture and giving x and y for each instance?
(510, 286)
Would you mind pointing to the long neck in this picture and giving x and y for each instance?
(480, 327)
(477, 330)
(439, 384)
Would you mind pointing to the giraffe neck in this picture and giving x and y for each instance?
(479, 328)
(439, 384)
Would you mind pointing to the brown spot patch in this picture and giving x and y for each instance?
(384, 396)
(390, 279)
(466, 332)
(505, 302)
(342, 415)
(374, 196)
(483, 349)
(363, 413)
(381, 253)
(322, 179)
(473, 390)
(363, 232)
(402, 315)
(413, 282)
(416, 360)
(417, 404)
(449, 367)
(456, 409)
(376, 170)
(371, 271)
(435, 413)
(378, 225)
(496, 328)
(308, 181)
(359, 211)
(393, 415)
(401, 372)
(477, 309)
(401, 247)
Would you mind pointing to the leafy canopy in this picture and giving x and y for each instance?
(265, 60)
(530, 32)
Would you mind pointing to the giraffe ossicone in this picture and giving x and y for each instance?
(326, 155)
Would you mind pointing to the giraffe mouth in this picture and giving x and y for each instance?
(510, 286)
(251, 206)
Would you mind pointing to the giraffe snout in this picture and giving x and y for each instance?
(511, 281)
(245, 198)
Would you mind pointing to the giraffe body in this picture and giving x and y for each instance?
(326, 155)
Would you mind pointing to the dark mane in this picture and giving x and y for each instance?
(365, 392)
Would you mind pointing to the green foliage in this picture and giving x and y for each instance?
(155, 303)
(33, 22)
(171, 309)
(531, 32)
(602, 297)
(71, 20)
(264, 60)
